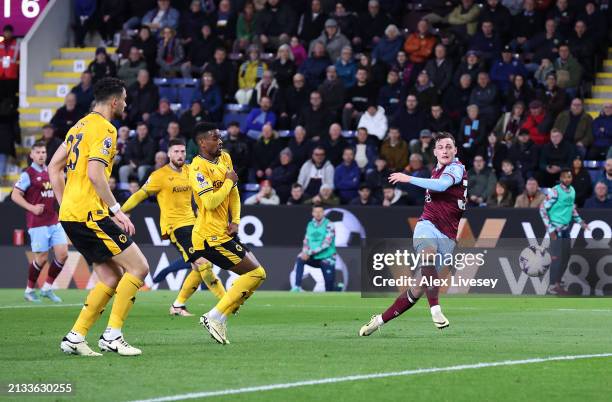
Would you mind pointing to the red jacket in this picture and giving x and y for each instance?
(537, 132)
(419, 48)
(11, 51)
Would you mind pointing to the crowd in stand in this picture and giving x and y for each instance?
(506, 77)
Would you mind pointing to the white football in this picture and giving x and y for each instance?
(535, 260)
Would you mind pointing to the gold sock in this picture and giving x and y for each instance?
(191, 284)
(124, 299)
(234, 307)
(242, 289)
(93, 308)
(211, 280)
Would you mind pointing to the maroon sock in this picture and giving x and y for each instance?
(431, 273)
(399, 306)
(33, 273)
(54, 270)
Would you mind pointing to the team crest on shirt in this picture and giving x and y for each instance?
(238, 248)
(191, 250)
(108, 142)
(201, 180)
(122, 238)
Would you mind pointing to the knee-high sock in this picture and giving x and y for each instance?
(211, 280)
(33, 273)
(54, 271)
(124, 299)
(400, 305)
(93, 308)
(242, 289)
(234, 307)
(190, 285)
(431, 291)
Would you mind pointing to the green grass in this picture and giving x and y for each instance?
(282, 337)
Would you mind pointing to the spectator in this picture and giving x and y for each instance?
(576, 126)
(101, 66)
(357, 99)
(128, 71)
(298, 50)
(332, 39)
(346, 19)
(284, 175)
(425, 91)
(595, 21)
(510, 123)
(139, 155)
(544, 45)
(315, 118)
(224, 73)
(297, 195)
(172, 133)
(239, 150)
(291, 102)
(133, 184)
(600, 199)
(275, 24)
(471, 134)
(170, 54)
(267, 149)
(464, 18)
(486, 97)
(501, 198)
(224, 22)
(84, 20)
(504, 72)
(395, 150)
(518, 91)
(415, 195)
(569, 71)
(606, 175)
(514, 6)
(209, 96)
(405, 69)
(365, 150)
(190, 118)
(265, 196)
(283, 66)
(526, 24)
(470, 65)
(123, 137)
(532, 197)
(120, 195)
(378, 177)
(581, 181)
(325, 198)
(332, 91)
(201, 50)
(602, 133)
(260, 116)
(299, 146)
(552, 97)
(481, 182)
(409, 119)
(494, 153)
(500, 16)
(334, 144)
(555, 155)
(66, 116)
(246, 26)
(545, 69)
(524, 153)
(314, 66)
(52, 143)
(487, 43)
(312, 22)
(143, 98)
(537, 123)
(84, 91)
(249, 73)
(386, 49)
(419, 45)
(137, 9)
(190, 23)
(370, 26)
(457, 97)
(148, 47)
(365, 197)
(159, 120)
(390, 95)
(391, 197)
(161, 17)
(440, 69)
(563, 16)
(347, 177)
(315, 172)
(513, 178)
(374, 121)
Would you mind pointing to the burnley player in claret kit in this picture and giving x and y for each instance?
(435, 232)
(33, 193)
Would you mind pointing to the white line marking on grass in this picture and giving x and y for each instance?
(41, 306)
(360, 377)
(597, 310)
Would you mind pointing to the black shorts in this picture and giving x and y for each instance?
(226, 255)
(181, 239)
(97, 241)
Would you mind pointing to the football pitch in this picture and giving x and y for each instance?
(304, 347)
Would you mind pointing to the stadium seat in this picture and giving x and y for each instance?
(348, 133)
(285, 133)
(185, 95)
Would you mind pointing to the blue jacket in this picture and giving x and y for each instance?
(386, 50)
(170, 18)
(84, 8)
(501, 72)
(346, 72)
(602, 131)
(211, 101)
(253, 124)
(313, 70)
(390, 97)
(346, 181)
(489, 47)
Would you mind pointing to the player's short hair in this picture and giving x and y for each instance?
(203, 130)
(108, 87)
(442, 135)
(39, 144)
(175, 141)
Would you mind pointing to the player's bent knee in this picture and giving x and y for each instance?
(260, 272)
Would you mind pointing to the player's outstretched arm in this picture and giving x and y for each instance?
(56, 171)
(440, 184)
(135, 199)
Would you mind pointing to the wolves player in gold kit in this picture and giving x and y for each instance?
(214, 183)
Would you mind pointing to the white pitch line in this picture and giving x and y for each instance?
(41, 306)
(360, 377)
